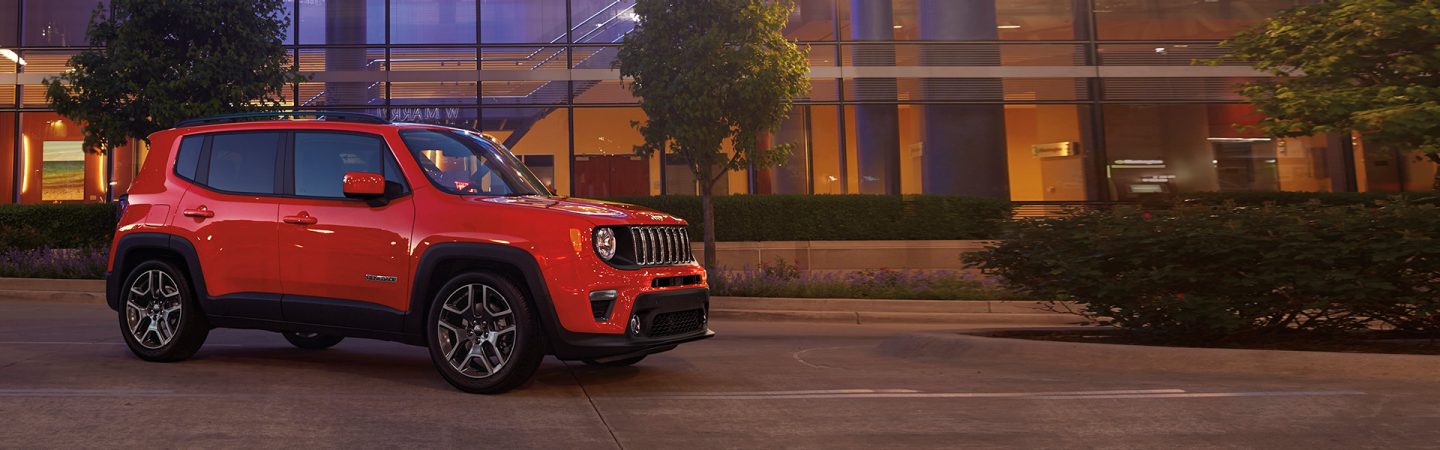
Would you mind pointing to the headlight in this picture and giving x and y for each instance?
(605, 243)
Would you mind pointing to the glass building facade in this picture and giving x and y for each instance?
(1032, 100)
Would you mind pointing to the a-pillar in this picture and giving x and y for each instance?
(964, 149)
(877, 126)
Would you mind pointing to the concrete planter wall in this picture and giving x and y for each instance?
(845, 256)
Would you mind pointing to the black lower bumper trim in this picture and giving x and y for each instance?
(607, 347)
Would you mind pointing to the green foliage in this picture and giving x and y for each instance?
(840, 217)
(1203, 273)
(56, 226)
(710, 71)
(157, 62)
(1342, 65)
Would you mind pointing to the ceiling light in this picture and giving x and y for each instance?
(12, 56)
(1008, 27)
(899, 26)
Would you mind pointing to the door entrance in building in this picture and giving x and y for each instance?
(611, 176)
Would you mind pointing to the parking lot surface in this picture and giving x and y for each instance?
(66, 380)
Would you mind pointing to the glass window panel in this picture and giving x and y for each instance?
(7, 156)
(54, 165)
(812, 20)
(243, 162)
(342, 22)
(605, 162)
(189, 156)
(957, 20)
(524, 21)
(9, 26)
(57, 23)
(1198, 148)
(432, 21)
(323, 159)
(1045, 152)
(539, 136)
(341, 83)
(1183, 19)
(825, 145)
(601, 21)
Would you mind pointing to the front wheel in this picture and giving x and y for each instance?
(160, 319)
(483, 337)
(312, 341)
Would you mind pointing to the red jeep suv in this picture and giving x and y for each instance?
(347, 225)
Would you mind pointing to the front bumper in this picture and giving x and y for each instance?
(665, 319)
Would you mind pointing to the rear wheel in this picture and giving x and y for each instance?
(160, 319)
(616, 363)
(312, 341)
(482, 335)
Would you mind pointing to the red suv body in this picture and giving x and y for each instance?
(351, 226)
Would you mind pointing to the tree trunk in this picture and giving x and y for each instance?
(707, 207)
(1435, 158)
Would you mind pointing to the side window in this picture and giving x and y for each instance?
(189, 156)
(244, 162)
(322, 159)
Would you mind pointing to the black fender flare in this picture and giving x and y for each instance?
(503, 255)
(129, 243)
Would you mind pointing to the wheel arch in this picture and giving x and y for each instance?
(441, 262)
(135, 248)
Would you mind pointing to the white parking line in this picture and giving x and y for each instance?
(911, 394)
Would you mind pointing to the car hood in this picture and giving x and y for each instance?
(597, 211)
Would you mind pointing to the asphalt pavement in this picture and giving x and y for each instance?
(67, 381)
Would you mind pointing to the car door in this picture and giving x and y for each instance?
(230, 219)
(343, 261)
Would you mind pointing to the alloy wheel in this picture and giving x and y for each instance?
(476, 330)
(153, 309)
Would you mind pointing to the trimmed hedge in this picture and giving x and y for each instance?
(88, 225)
(838, 217)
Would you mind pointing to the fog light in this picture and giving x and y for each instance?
(635, 324)
(603, 296)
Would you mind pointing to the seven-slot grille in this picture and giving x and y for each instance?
(660, 245)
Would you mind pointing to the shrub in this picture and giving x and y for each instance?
(56, 226)
(1196, 273)
(1287, 198)
(839, 217)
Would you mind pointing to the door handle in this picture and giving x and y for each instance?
(199, 213)
(302, 219)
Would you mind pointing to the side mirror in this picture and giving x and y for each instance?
(364, 185)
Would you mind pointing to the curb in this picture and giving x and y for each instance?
(53, 290)
(977, 347)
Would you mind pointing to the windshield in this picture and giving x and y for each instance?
(466, 163)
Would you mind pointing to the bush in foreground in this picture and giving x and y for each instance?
(839, 217)
(1196, 273)
(89, 225)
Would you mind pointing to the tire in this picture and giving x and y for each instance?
(312, 341)
(475, 310)
(616, 363)
(160, 318)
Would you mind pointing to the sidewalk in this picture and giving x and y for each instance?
(833, 310)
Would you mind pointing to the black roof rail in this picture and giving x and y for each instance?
(245, 117)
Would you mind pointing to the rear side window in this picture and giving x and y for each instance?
(244, 162)
(189, 157)
(323, 159)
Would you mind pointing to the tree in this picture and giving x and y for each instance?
(711, 71)
(156, 62)
(1365, 65)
